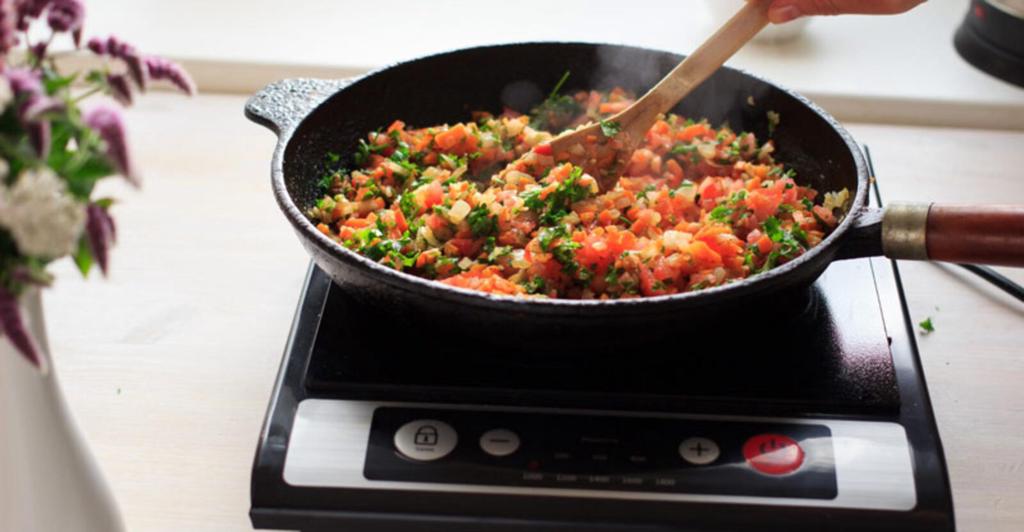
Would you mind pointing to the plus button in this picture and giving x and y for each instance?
(699, 451)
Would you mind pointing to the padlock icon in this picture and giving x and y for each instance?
(426, 435)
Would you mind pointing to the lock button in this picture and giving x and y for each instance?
(425, 435)
(424, 440)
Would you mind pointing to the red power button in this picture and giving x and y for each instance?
(773, 454)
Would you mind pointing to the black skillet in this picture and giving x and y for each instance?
(312, 117)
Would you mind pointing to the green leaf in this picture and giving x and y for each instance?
(83, 256)
(536, 285)
(327, 181)
(407, 202)
(799, 234)
(683, 148)
(83, 177)
(721, 213)
(610, 128)
(559, 202)
(558, 86)
(481, 221)
(498, 252)
(364, 150)
(773, 228)
(926, 325)
(565, 253)
(53, 82)
(550, 234)
(611, 277)
(555, 109)
(96, 76)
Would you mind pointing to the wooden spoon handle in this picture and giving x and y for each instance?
(710, 56)
(634, 121)
(974, 234)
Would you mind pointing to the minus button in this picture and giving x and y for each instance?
(499, 442)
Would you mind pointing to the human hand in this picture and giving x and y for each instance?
(786, 10)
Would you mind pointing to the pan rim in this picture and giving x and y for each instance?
(758, 283)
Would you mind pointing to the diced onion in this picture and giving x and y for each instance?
(465, 263)
(835, 200)
(519, 259)
(572, 218)
(426, 234)
(707, 150)
(460, 209)
(514, 127)
(676, 240)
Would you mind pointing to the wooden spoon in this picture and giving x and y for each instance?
(592, 149)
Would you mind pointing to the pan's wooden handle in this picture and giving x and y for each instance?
(975, 234)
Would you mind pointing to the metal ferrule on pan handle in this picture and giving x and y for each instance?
(904, 231)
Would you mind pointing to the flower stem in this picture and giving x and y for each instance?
(86, 94)
(38, 60)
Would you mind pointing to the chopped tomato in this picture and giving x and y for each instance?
(692, 207)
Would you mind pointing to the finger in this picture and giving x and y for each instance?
(785, 10)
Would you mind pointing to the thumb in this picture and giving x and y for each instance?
(785, 10)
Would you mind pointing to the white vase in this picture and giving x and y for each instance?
(48, 479)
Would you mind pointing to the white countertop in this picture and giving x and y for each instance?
(899, 69)
(168, 365)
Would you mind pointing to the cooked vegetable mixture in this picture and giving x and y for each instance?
(695, 207)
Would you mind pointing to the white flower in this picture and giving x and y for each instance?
(43, 218)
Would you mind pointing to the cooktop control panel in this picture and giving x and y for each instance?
(621, 453)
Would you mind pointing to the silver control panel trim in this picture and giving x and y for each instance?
(328, 443)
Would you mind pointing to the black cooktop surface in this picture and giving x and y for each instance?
(843, 352)
(830, 357)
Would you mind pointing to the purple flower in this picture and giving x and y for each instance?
(107, 123)
(119, 49)
(102, 233)
(8, 26)
(24, 81)
(120, 89)
(160, 68)
(39, 50)
(39, 134)
(67, 15)
(29, 10)
(33, 8)
(97, 45)
(12, 326)
(136, 69)
(27, 87)
(37, 105)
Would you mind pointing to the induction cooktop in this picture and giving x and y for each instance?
(816, 418)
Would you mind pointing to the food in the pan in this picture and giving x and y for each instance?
(695, 207)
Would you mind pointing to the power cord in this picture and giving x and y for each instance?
(1001, 281)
